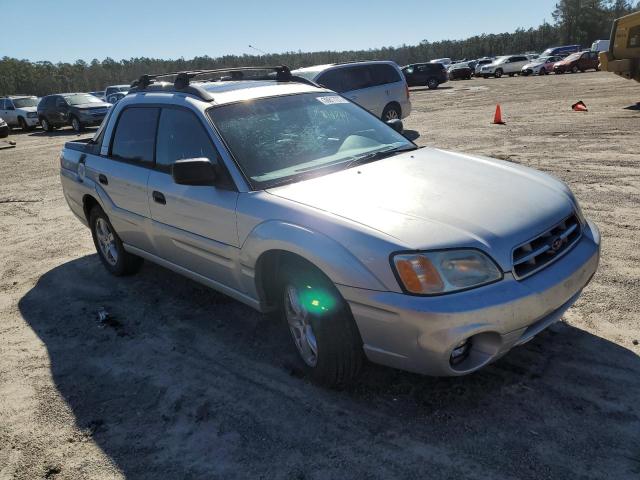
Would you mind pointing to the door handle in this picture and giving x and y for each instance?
(102, 178)
(159, 198)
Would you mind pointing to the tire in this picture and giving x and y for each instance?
(391, 112)
(323, 331)
(23, 125)
(46, 126)
(76, 124)
(498, 73)
(109, 246)
(432, 84)
(485, 76)
(512, 74)
(574, 69)
(543, 71)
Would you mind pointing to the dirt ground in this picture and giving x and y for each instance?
(186, 383)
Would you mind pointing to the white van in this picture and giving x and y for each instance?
(378, 86)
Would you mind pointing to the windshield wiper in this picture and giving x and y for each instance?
(378, 155)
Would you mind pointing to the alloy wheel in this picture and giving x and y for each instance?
(299, 322)
(106, 241)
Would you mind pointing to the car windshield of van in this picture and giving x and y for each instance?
(547, 52)
(284, 139)
(81, 99)
(25, 102)
(572, 57)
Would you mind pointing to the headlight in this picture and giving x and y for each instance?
(32, 114)
(444, 271)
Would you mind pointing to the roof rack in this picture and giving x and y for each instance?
(182, 80)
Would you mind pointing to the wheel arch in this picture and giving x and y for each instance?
(271, 244)
(88, 202)
(395, 104)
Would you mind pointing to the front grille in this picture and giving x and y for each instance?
(546, 248)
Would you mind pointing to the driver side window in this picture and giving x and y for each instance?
(180, 136)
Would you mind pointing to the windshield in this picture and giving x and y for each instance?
(572, 57)
(501, 60)
(81, 98)
(25, 102)
(284, 139)
(547, 52)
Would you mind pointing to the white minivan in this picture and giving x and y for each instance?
(378, 86)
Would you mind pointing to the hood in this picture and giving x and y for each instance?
(28, 109)
(430, 199)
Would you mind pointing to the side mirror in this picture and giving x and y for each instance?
(396, 124)
(193, 171)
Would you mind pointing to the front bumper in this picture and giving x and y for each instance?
(32, 121)
(418, 334)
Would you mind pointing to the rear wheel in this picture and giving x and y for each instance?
(114, 257)
(321, 325)
(432, 84)
(46, 126)
(391, 112)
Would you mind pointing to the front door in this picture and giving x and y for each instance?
(194, 226)
(8, 112)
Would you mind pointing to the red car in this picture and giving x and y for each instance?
(576, 62)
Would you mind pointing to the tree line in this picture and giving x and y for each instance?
(574, 22)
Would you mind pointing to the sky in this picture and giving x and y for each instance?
(67, 30)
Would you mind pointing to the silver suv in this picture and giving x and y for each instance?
(292, 199)
(506, 65)
(378, 86)
(20, 111)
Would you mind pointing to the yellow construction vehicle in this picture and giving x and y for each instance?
(623, 57)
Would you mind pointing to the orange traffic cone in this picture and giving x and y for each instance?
(497, 118)
(579, 107)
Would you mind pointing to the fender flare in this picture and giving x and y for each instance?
(328, 255)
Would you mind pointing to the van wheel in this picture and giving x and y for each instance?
(390, 112)
(321, 325)
(76, 125)
(498, 73)
(46, 126)
(574, 69)
(432, 84)
(109, 246)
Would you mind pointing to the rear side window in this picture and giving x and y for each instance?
(382, 73)
(356, 78)
(180, 136)
(333, 80)
(135, 135)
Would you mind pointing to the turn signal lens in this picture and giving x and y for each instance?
(430, 273)
(419, 275)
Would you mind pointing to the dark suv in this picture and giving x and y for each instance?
(429, 74)
(79, 110)
(578, 62)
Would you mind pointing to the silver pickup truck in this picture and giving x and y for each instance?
(292, 199)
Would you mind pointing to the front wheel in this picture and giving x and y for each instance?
(574, 69)
(76, 124)
(23, 125)
(543, 71)
(498, 73)
(321, 325)
(114, 257)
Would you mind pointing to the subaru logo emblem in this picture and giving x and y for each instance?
(555, 245)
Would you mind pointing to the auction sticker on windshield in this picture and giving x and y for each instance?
(332, 99)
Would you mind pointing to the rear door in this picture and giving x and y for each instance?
(122, 173)
(194, 226)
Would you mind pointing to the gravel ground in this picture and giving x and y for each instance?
(183, 382)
